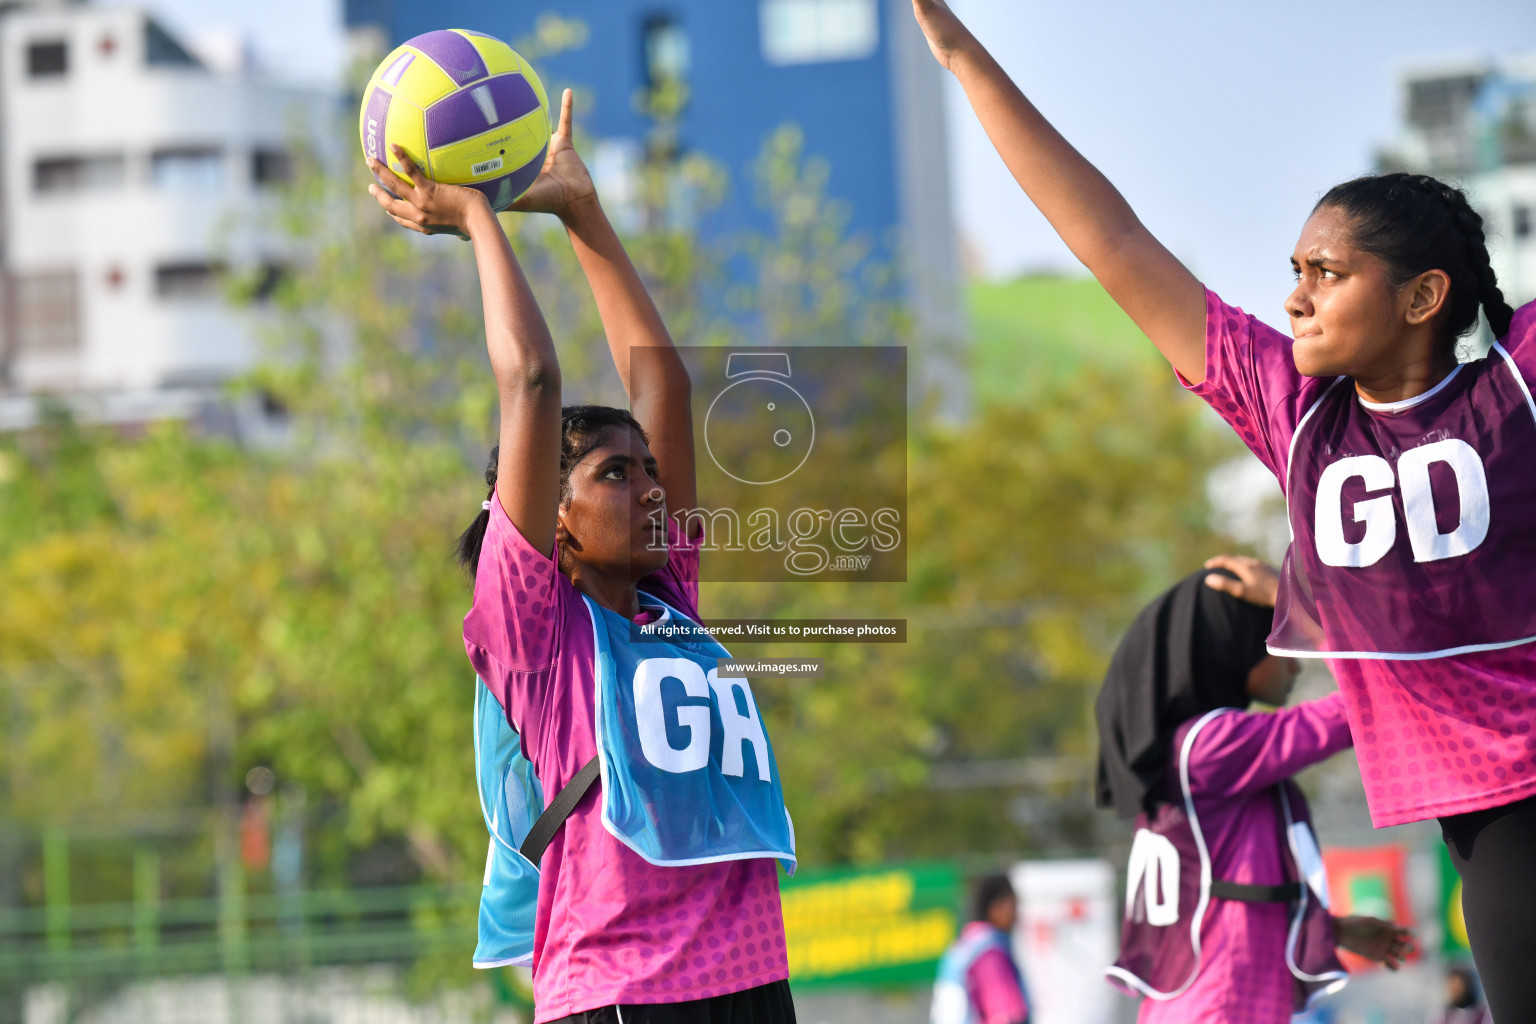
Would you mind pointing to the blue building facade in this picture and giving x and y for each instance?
(855, 75)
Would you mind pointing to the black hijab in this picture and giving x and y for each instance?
(1188, 652)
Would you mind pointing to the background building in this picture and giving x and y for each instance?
(1474, 120)
(855, 75)
(132, 172)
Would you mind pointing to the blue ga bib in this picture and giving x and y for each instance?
(688, 776)
(511, 800)
(688, 773)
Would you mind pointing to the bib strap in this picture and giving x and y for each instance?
(559, 809)
(1283, 893)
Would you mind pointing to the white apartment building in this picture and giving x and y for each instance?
(1474, 121)
(131, 174)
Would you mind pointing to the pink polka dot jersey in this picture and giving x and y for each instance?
(1437, 734)
(610, 927)
(1234, 764)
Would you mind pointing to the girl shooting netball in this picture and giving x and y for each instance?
(1406, 475)
(657, 896)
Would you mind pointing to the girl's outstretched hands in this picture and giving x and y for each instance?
(947, 35)
(421, 204)
(564, 186)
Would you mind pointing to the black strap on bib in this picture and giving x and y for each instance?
(558, 810)
(1283, 893)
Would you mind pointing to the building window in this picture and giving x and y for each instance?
(817, 31)
(269, 278)
(78, 173)
(1443, 102)
(47, 60)
(666, 51)
(190, 280)
(271, 167)
(187, 167)
(1522, 223)
(47, 313)
(162, 50)
(258, 284)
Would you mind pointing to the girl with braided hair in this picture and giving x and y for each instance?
(1407, 478)
(647, 889)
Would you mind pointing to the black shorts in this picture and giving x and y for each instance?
(765, 1004)
(1494, 851)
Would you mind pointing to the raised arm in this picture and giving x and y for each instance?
(1243, 752)
(656, 382)
(516, 336)
(1147, 281)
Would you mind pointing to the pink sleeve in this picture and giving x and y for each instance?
(1252, 382)
(513, 628)
(1520, 342)
(995, 989)
(1243, 752)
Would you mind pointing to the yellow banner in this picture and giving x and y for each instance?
(889, 925)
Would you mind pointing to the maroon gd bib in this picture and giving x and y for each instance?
(1413, 523)
(1169, 887)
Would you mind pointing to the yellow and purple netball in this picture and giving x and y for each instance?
(465, 107)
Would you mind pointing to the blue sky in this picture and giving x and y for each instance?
(1221, 120)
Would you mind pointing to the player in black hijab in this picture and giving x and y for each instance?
(1188, 652)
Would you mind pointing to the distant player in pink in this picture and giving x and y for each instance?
(575, 538)
(979, 982)
(1227, 918)
(1407, 476)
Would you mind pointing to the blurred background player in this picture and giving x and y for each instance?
(573, 547)
(1463, 999)
(1406, 475)
(979, 981)
(1226, 903)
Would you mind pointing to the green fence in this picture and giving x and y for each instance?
(882, 926)
(235, 933)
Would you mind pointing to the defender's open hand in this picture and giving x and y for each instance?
(564, 185)
(423, 204)
(1371, 937)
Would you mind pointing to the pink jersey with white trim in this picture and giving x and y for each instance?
(1413, 558)
(1234, 764)
(610, 927)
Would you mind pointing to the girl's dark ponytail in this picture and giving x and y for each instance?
(467, 551)
(1489, 295)
(1414, 223)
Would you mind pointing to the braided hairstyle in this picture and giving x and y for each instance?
(581, 430)
(1414, 223)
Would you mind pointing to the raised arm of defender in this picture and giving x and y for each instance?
(1149, 283)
